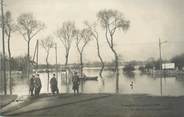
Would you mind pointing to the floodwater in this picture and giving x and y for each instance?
(131, 83)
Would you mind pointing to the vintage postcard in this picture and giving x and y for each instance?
(92, 58)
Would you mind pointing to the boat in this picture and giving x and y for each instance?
(94, 78)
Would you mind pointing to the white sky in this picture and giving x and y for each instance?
(150, 19)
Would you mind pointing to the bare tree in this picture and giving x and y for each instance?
(111, 21)
(66, 34)
(9, 29)
(47, 44)
(82, 38)
(28, 27)
(94, 33)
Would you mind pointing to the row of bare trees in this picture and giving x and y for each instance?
(28, 27)
(69, 33)
(110, 20)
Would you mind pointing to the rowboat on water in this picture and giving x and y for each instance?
(94, 78)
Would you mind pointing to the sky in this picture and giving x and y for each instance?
(149, 21)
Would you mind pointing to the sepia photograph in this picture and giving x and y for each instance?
(92, 58)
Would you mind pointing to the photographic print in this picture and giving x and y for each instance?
(92, 58)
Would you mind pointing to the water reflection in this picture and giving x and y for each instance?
(129, 74)
(142, 84)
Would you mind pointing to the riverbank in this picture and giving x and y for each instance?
(6, 99)
(98, 105)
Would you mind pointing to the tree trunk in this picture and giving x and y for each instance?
(47, 71)
(9, 53)
(81, 64)
(47, 77)
(111, 45)
(28, 58)
(116, 69)
(66, 59)
(66, 65)
(99, 56)
(117, 75)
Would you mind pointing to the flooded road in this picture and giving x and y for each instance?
(132, 83)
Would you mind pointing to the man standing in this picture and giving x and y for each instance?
(31, 85)
(38, 85)
(53, 85)
(76, 83)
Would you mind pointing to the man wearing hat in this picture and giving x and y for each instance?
(37, 85)
(53, 85)
(31, 85)
(76, 83)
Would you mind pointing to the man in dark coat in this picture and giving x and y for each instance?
(76, 83)
(37, 85)
(31, 84)
(53, 85)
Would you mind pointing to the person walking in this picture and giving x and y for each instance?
(76, 83)
(53, 85)
(31, 85)
(38, 85)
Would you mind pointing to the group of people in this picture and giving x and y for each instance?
(36, 85)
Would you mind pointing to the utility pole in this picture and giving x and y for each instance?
(3, 42)
(160, 51)
(56, 62)
(160, 54)
(37, 54)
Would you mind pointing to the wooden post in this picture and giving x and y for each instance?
(160, 50)
(3, 42)
(37, 54)
(56, 66)
(160, 67)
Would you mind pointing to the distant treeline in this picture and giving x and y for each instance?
(19, 63)
(155, 64)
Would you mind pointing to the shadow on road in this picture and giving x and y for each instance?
(51, 107)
